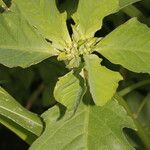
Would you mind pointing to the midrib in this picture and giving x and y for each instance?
(26, 49)
(86, 129)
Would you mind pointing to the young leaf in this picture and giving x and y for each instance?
(103, 82)
(20, 44)
(69, 90)
(11, 110)
(91, 128)
(44, 15)
(90, 14)
(129, 46)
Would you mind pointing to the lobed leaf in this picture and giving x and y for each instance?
(92, 127)
(129, 46)
(44, 15)
(89, 16)
(20, 44)
(103, 82)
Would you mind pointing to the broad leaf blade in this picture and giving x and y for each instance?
(91, 128)
(71, 5)
(103, 82)
(13, 111)
(89, 16)
(129, 46)
(69, 90)
(20, 44)
(44, 15)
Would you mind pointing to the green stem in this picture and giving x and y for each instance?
(133, 87)
(140, 130)
(142, 105)
(132, 11)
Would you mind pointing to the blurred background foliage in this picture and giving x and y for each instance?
(33, 86)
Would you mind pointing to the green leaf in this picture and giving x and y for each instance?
(91, 128)
(44, 15)
(129, 46)
(89, 16)
(20, 44)
(24, 134)
(69, 90)
(71, 5)
(103, 82)
(124, 3)
(12, 111)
